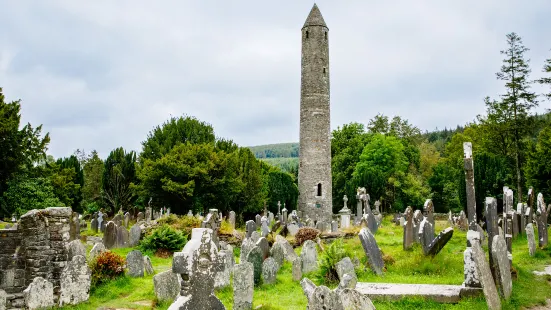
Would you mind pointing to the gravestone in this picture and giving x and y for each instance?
(297, 269)
(417, 219)
(75, 281)
(126, 219)
(134, 263)
(334, 227)
(122, 237)
(270, 217)
(258, 220)
(265, 230)
(440, 241)
(290, 254)
(264, 246)
(531, 239)
(283, 213)
(74, 230)
(110, 235)
(345, 267)
(148, 266)
(521, 218)
(39, 294)
(278, 253)
(243, 286)
(269, 271)
(246, 246)
(491, 225)
(426, 235)
(468, 165)
(96, 250)
(197, 264)
(344, 213)
(320, 297)
(148, 215)
(135, 235)
(255, 257)
(372, 251)
(470, 270)
(255, 236)
(293, 229)
(541, 220)
(166, 285)
(530, 209)
(117, 219)
(75, 248)
(250, 226)
(485, 276)
(100, 222)
(213, 222)
(140, 217)
(408, 229)
(231, 220)
(503, 268)
(462, 222)
(94, 225)
(222, 277)
(359, 207)
(309, 256)
(428, 210)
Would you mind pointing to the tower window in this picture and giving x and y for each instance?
(323, 71)
(306, 34)
(319, 189)
(326, 35)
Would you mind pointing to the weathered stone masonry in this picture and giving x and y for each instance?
(314, 173)
(35, 249)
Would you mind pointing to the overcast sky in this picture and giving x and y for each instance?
(102, 74)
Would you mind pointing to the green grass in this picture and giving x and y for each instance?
(407, 267)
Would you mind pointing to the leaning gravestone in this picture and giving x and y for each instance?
(134, 263)
(426, 234)
(39, 294)
(166, 285)
(110, 235)
(140, 217)
(531, 239)
(309, 257)
(75, 281)
(503, 269)
(243, 286)
(269, 271)
(290, 254)
(372, 251)
(486, 279)
(263, 244)
(439, 242)
(344, 267)
(293, 229)
(148, 266)
(135, 235)
(126, 219)
(75, 248)
(255, 257)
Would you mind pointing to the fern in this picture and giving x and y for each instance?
(333, 254)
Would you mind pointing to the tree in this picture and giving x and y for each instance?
(91, 191)
(538, 168)
(175, 131)
(24, 193)
(18, 147)
(193, 177)
(282, 188)
(119, 175)
(546, 80)
(518, 99)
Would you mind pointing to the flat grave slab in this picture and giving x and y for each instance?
(397, 291)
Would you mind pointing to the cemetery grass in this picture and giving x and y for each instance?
(401, 267)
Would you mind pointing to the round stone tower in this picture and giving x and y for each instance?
(314, 172)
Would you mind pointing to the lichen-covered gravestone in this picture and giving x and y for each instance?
(345, 267)
(243, 286)
(96, 250)
(134, 263)
(531, 239)
(75, 248)
(263, 244)
(372, 251)
(502, 267)
(277, 252)
(269, 271)
(110, 235)
(320, 297)
(290, 254)
(222, 278)
(231, 219)
(135, 235)
(408, 229)
(309, 257)
(197, 264)
(75, 282)
(246, 246)
(148, 266)
(39, 294)
(486, 279)
(255, 257)
(166, 285)
(297, 269)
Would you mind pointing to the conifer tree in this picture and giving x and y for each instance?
(546, 80)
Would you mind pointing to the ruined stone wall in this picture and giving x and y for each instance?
(12, 265)
(315, 130)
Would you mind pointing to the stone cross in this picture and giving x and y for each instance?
(100, 219)
(345, 214)
(469, 180)
(283, 213)
(345, 199)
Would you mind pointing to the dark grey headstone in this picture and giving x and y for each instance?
(166, 285)
(134, 263)
(440, 241)
(485, 276)
(110, 235)
(372, 251)
(135, 235)
(255, 257)
(250, 227)
(502, 266)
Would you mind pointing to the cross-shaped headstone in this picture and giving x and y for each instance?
(100, 218)
(345, 199)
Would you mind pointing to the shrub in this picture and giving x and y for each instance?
(333, 254)
(164, 238)
(181, 223)
(306, 233)
(106, 266)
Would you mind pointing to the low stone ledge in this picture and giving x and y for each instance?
(434, 292)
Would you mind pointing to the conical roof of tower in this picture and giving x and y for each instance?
(314, 18)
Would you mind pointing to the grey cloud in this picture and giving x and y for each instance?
(102, 74)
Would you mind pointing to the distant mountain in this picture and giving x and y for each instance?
(279, 150)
